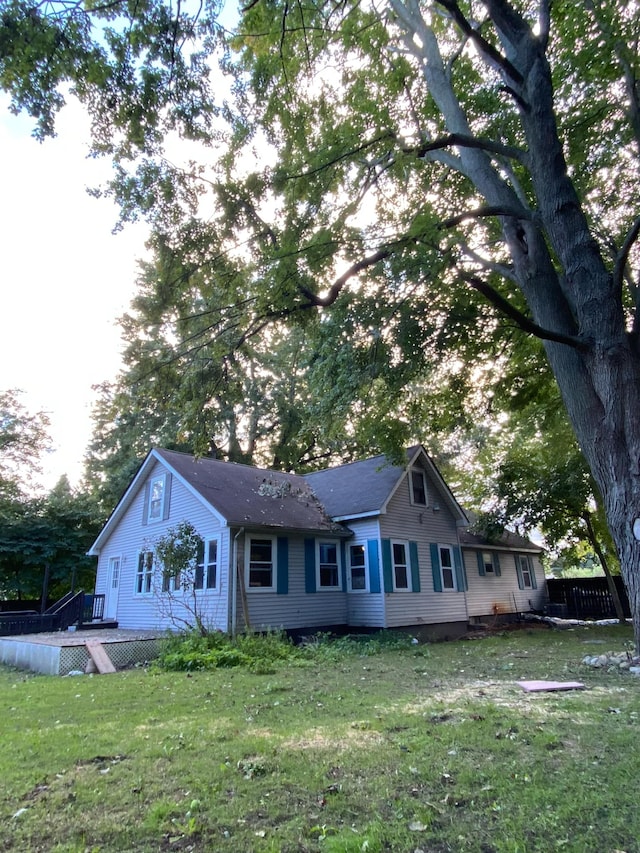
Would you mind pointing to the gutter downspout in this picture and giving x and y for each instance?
(233, 581)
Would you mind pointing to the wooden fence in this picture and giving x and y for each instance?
(585, 598)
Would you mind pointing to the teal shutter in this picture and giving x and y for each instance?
(435, 567)
(496, 564)
(519, 572)
(532, 572)
(282, 587)
(481, 568)
(145, 504)
(343, 562)
(374, 565)
(461, 575)
(415, 567)
(310, 565)
(166, 508)
(386, 565)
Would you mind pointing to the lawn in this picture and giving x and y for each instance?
(427, 748)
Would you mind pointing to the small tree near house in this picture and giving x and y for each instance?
(177, 557)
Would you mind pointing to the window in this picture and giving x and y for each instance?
(400, 566)
(523, 565)
(171, 583)
(207, 565)
(114, 572)
(357, 579)
(328, 566)
(144, 573)
(156, 498)
(487, 561)
(418, 487)
(260, 563)
(447, 568)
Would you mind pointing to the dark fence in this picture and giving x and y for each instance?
(585, 598)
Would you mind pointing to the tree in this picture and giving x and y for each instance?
(439, 161)
(181, 561)
(54, 531)
(24, 439)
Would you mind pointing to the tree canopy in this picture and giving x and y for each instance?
(449, 176)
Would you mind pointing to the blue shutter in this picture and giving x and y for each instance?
(532, 572)
(435, 567)
(415, 567)
(496, 564)
(167, 497)
(461, 575)
(374, 565)
(481, 569)
(310, 565)
(282, 587)
(519, 572)
(386, 565)
(145, 503)
(343, 562)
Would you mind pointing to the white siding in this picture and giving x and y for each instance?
(296, 608)
(131, 537)
(493, 595)
(366, 609)
(424, 525)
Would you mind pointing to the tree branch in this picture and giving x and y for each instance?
(462, 141)
(623, 254)
(334, 291)
(527, 325)
(482, 212)
(493, 56)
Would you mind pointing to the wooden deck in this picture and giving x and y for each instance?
(63, 652)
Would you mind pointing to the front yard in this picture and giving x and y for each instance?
(429, 748)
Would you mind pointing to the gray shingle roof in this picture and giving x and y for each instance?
(356, 488)
(508, 539)
(252, 496)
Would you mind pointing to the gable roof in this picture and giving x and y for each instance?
(238, 495)
(361, 489)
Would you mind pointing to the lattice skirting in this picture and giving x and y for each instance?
(74, 658)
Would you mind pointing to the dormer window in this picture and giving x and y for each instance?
(418, 487)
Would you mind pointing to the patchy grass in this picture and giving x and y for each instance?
(431, 748)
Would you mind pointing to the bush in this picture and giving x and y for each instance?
(261, 653)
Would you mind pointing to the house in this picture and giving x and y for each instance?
(365, 545)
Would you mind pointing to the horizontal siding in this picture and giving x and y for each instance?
(366, 609)
(491, 595)
(423, 525)
(130, 537)
(296, 609)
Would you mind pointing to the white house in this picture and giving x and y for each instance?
(364, 545)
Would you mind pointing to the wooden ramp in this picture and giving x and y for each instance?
(99, 658)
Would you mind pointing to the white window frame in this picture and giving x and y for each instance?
(452, 567)
(338, 564)
(206, 565)
(364, 567)
(144, 576)
(489, 561)
(526, 569)
(420, 473)
(396, 565)
(155, 509)
(273, 563)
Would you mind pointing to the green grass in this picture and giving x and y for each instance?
(431, 748)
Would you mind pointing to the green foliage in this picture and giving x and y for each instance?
(260, 653)
(24, 439)
(176, 551)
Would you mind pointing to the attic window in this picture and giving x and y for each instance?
(156, 498)
(418, 487)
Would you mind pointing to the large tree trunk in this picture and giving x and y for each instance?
(574, 299)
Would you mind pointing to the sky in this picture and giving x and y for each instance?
(65, 278)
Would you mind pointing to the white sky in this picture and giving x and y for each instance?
(64, 280)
